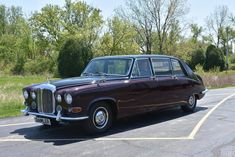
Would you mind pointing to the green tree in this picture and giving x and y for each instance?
(73, 57)
(196, 32)
(47, 26)
(53, 25)
(119, 39)
(214, 58)
(15, 38)
(227, 36)
(82, 21)
(217, 22)
(149, 16)
(198, 57)
(3, 19)
(172, 39)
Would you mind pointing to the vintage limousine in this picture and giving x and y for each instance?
(113, 87)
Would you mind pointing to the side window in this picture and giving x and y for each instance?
(177, 68)
(161, 66)
(141, 68)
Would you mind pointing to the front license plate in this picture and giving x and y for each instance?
(45, 121)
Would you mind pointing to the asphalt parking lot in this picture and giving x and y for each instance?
(210, 131)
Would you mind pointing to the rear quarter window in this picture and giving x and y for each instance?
(177, 68)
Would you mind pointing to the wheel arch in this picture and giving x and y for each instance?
(111, 101)
(196, 96)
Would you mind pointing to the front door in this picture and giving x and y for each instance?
(141, 85)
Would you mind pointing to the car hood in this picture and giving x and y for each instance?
(78, 81)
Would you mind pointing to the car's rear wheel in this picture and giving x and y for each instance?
(100, 118)
(191, 104)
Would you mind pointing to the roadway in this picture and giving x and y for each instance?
(210, 131)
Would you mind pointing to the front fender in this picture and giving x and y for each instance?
(113, 100)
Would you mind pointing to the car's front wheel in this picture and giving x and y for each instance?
(191, 104)
(100, 118)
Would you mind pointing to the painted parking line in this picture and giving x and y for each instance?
(222, 94)
(16, 124)
(202, 121)
(7, 139)
(94, 139)
(191, 136)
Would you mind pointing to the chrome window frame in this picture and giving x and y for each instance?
(150, 66)
(127, 74)
(185, 72)
(170, 65)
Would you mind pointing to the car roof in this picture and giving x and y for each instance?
(136, 56)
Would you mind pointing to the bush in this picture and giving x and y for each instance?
(214, 58)
(198, 57)
(199, 69)
(232, 59)
(18, 69)
(39, 66)
(73, 57)
(232, 67)
(215, 70)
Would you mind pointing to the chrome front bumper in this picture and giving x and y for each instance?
(202, 94)
(205, 91)
(58, 117)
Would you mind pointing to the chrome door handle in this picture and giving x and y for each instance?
(153, 77)
(175, 77)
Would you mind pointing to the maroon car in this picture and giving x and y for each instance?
(113, 87)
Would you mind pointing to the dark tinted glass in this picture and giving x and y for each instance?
(141, 68)
(177, 68)
(161, 66)
(111, 66)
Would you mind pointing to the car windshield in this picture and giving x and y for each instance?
(109, 66)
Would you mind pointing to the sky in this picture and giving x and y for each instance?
(199, 9)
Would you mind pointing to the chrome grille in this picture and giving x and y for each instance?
(45, 101)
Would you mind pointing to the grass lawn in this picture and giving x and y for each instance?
(11, 98)
(218, 79)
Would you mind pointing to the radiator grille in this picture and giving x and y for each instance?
(45, 101)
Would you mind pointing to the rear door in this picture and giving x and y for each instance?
(165, 92)
(182, 83)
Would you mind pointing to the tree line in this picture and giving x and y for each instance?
(62, 40)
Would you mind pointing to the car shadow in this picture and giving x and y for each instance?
(71, 133)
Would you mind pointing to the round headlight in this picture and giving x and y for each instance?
(68, 99)
(26, 94)
(33, 95)
(58, 98)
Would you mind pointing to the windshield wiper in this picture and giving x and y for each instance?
(96, 73)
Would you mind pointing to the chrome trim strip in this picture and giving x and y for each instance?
(102, 58)
(150, 66)
(205, 91)
(58, 117)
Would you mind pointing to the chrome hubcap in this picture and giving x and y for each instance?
(191, 100)
(100, 117)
